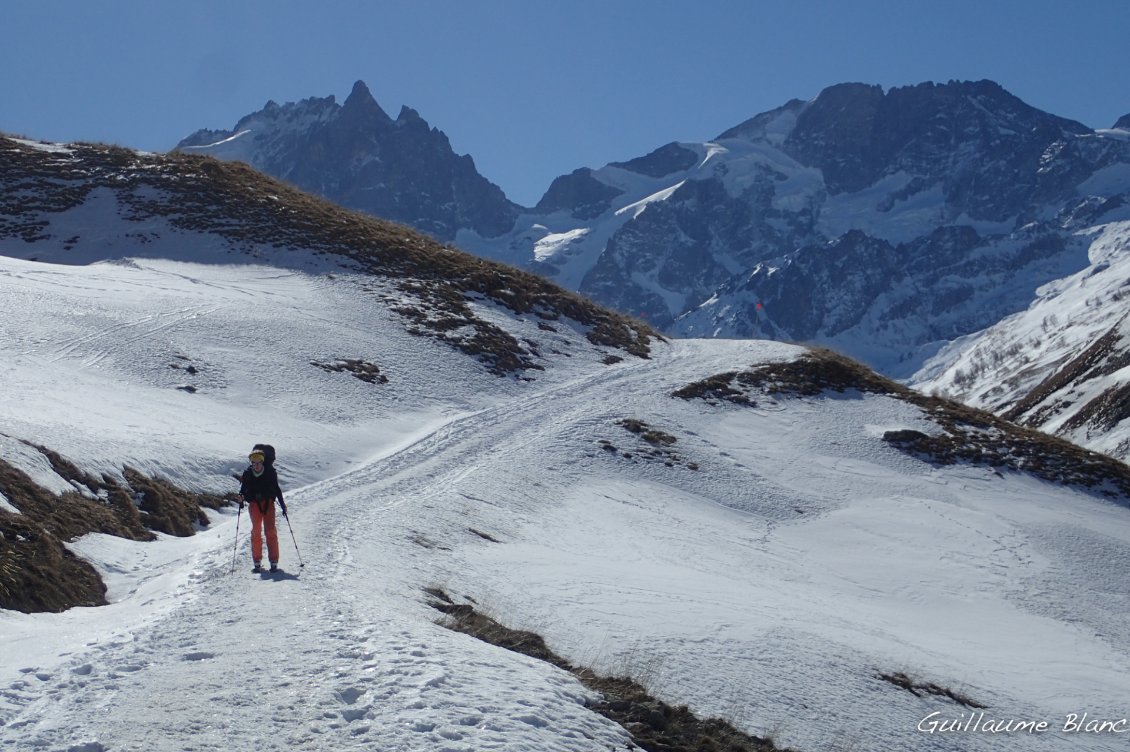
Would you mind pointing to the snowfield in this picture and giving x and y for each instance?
(998, 367)
(767, 566)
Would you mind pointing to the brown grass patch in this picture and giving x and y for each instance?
(920, 689)
(651, 435)
(169, 509)
(656, 445)
(37, 573)
(361, 369)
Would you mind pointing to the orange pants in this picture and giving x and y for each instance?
(263, 516)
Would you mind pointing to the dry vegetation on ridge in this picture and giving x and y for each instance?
(230, 199)
(967, 434)
(37, 572)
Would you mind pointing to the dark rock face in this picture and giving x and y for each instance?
(579, 193)
(836, 134)
(359, 157)
(978, 141)
(663, 161)
(688, 245)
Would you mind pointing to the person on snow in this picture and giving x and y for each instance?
(259, 487)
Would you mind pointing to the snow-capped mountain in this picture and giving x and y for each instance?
(883, 223)
(765, 534)
(358, 156)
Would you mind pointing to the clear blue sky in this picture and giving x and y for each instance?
(532, 89)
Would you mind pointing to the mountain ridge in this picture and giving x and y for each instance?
(256, 215)
(886, 223)
(351, 153)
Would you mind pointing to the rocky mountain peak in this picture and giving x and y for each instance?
(362, 103)
(409, 115)
(772, 126)
(856, 134)
(579, 193)
(357, 156)
(835, 217)
(672, 157)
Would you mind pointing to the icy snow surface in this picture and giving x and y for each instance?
(771, 585)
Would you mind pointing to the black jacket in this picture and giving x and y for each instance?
(264, 487)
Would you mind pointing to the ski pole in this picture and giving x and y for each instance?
(235, 548)
(300, 562)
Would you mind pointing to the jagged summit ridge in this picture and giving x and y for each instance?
(856, 134)
(356, 155)
(361, 99)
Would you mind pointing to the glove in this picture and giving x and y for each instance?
(240, 500)
(283, 505)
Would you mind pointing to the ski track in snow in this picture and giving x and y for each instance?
(263, 658)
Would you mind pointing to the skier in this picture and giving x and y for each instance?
(259, 487)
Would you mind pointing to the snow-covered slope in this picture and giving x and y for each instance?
(765, 559)
(1061, 365)
(773, 584)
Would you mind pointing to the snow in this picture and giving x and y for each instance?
(1000, 365)
(712, 150)
(546, 248)
(239, 145)
(222, 141)
(43, 145)
(771, 586)
(778, 128)
(570, 245)
(636, 208)
(1122, 134)
(897, 221)
(1109, 181)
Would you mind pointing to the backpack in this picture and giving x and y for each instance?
(268, 454)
